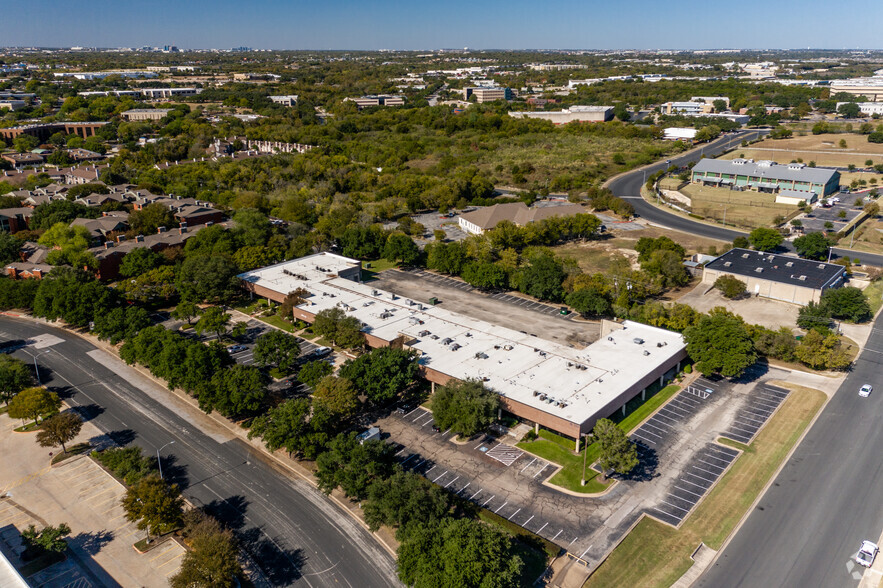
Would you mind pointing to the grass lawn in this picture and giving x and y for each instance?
(559, 450)
(77, 449)
(591, 256)
(654, 554)
(874, 292)
(277, 322)
(30, 427)
(746, 209)
(376, 266)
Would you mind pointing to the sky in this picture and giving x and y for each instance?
(452, 24)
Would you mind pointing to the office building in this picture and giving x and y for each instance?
(572, 114)
(766, 176)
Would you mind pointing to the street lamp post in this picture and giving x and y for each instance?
(159, 460)
(37, 368)
(585, 457)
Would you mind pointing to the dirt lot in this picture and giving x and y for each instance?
(498, 312)
(761, 311)
(597, 256)
(823, 149)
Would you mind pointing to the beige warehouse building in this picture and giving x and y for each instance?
(778, 277)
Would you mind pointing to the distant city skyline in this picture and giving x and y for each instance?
(516, 24)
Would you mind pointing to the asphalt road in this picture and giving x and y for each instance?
(297, 536)
(628, 186)
(825, 501)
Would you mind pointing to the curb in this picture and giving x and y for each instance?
(766, 486)
(238, 432)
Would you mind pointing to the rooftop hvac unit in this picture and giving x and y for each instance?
(563, 405)
(455, 346)
(569, 364)
(542, 396)
(646, 352)
(485, 379)
(638, 341)
(610, 338)
(536, 393)
(508, 347)
(423, 333)
(447, 341)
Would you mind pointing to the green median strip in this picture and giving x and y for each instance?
(656, 555)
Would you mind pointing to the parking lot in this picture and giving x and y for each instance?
(489, 472)
(815, 221)
(703, 470)
(762, 403)
(664, 425)
(504, 309)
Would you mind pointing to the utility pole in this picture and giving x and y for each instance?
(585, 457)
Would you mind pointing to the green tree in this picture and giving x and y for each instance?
(9, 248)
(814, 316)
(848, 303)
(59, 430)
(334, 325)
(741, 243)
(68, 244)
(139, 261)
(589, 302)
(400, 247)
(485, 275)
(719, 105)
(667, 268)
(186, 311)
(382, 373)
(617, 452)
(121, 323)
(765, 239)
(47, 540)
(252, 227)
(405, 499)
(150, 218)
(234, 391)
(353, 466)
(646, 246)
(730, 286)
(542, 278)
(287, 425)
(33, 403)
(459, 552)
(213, 320)
(209, 278)
(152, 285)
(278, 349)
(720, 344)
(849, 110)
(822, 351)
(313, 371)
(464, 407)
(337, 397)
(812, 246)
(212, 560)
(15, 376)
(154, 506)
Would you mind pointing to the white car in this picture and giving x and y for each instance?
(866, 554)
(865, 391)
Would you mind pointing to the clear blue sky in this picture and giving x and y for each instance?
(422, 24)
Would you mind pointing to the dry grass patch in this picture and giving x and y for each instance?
(823, 149)
(654, 554)
(747, 209)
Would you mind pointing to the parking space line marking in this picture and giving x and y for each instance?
(452, 481)
(660, 429)
(501, 508)
(524, 524)
(474, 495)
(116, 518)
(713, 465)
(527, 466)
(417, 465)
(100, 493)
(464, 487)
(541, 471)
(643, 439)
(440, 477)
(430, 469)
(704, 488)
(556, 534)
(488, 500)
(715, 474)
(419, 416)
(687, 500)
(479, 445)
(162, 554)
(402, 450)
(673, 506)
(170, 561)
(541, 528)
(585, 552)
(750, 433)
(702, 477)
(689, 491)
(412, 456)
(514, 513)
(412, 412)
(572, 542)
(742, 417)
(646, 432)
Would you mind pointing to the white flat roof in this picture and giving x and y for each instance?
(569, 383)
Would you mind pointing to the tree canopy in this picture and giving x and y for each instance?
(382, 373)
(464, 407)
(720, 344)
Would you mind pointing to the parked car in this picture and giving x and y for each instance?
(321, 352)
(236, 348)
(436, 428)
(403, 409)
(866, 554)
(865, 391)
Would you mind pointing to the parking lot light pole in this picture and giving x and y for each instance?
(37, 368)
(159, 460)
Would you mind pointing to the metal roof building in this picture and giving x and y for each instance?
(766, 176)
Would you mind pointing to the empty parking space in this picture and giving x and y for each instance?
(505, 454)
(703, 470)
(663, 425)
(761, 404)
